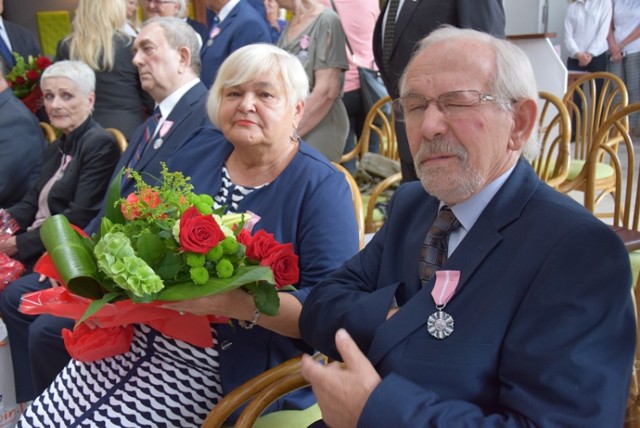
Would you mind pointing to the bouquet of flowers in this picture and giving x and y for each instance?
(159, 244)
(24, 79)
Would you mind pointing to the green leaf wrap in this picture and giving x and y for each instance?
(71, 257)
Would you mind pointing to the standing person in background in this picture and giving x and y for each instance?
(197, 26)
(586, 26)
(97, 40)
(358, 19)
(624, 47)
(315, 35)
(21, 146)
(132, 26)
(235, 24)
(15, 38)
(394, 41)
(176, 8)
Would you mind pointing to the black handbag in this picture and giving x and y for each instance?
(372, 89)
(372, 86)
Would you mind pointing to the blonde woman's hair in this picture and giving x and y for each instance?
(94, 27)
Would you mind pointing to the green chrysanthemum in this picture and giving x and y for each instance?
(215, 253)
(224, 268)
(199, 275)
(229, 245)
(195, 260)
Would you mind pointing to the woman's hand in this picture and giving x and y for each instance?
(8, 246)
(236, 304)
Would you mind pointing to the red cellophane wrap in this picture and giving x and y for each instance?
(115, 331)
(10, 270)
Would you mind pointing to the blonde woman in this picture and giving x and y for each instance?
(97, 40)
(132, 25)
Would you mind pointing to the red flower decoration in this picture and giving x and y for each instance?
(199, 233)
(283, 261)
(32, 75)
(86, 344)
(260, 245)
(129, 208)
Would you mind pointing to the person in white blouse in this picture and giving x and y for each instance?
(624, 47)
(586, 26)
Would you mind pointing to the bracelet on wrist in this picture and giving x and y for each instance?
(247, 325)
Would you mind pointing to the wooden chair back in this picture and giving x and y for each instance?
(379, 122)
(259, 393)
(120, 138)
(626, 204)
(49, 132)
(595, 106)
(554, 135)
(356, 198)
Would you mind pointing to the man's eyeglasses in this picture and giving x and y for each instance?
(413, 106)
(159, 2)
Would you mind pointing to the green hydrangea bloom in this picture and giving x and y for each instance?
(116, 258)
(199, 275)
(224, 268)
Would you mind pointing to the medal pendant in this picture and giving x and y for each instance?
(440, 324)
(209, 42)
(157, 144)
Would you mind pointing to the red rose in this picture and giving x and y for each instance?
(283, 261)
(244, 237)
(199, 233)
(32, 75)
(260, 245)
(42, 62)
(20, 80)
(86, 344)
(129, 209)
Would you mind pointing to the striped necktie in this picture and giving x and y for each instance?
(149, 130)
(433, 252)
(389, 27)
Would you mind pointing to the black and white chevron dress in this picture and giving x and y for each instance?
(160, 382)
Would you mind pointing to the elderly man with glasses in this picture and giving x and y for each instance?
(487, 298)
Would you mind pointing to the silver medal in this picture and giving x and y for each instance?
(440, 324)
(158, 143)
(209, 42)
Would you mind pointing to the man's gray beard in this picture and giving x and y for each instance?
(449, 189)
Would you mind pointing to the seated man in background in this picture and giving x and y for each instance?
(166, 54)
(21, 146)
(539, 289)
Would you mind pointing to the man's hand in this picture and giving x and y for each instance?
(342, 389)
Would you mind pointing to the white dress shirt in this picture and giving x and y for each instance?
(586, 26)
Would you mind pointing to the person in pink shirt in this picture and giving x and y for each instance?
(358, 19)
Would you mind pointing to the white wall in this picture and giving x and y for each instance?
(527, 17)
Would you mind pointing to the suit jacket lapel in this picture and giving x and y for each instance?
(180, 111)
(402, 21)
